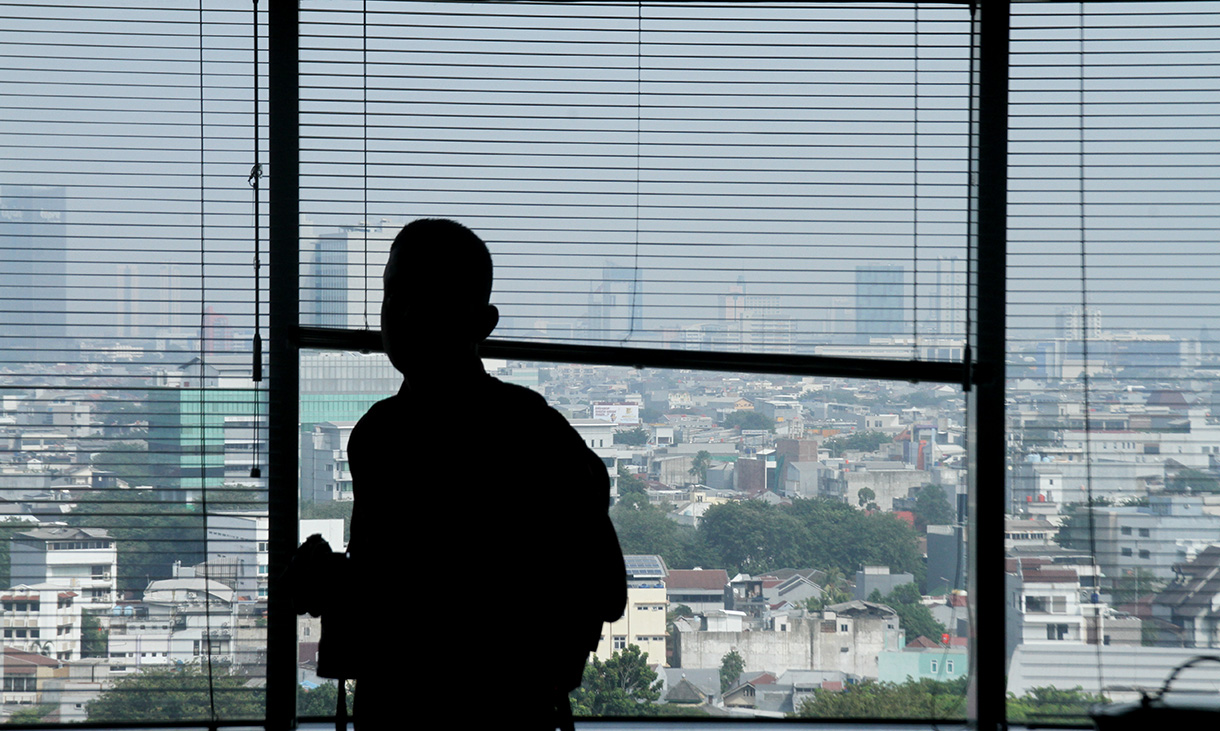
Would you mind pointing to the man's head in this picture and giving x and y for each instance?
(435, 310)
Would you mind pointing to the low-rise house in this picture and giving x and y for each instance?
(757, 596)
(1192, 602)
(702, 590)
(690, 686)
(923, 659)
(25, 676)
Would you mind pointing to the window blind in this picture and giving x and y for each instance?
(1112, 352)
(777, 179)
(787, 179)
(131, 431)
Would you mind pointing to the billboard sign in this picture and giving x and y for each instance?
(617, 413)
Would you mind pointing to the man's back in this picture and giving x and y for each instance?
(487, 507)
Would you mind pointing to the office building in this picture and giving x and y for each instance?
(33, 222)
(879, 301)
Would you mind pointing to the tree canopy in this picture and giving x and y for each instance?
(731, 667)
(865, 441)
(177, 693)
(932, 507)
(749, 420)
(913, 616)
(1049, 706)
(914, 699)
(754, 537)
(149, 536)
(699, 465)
(944, 700)
(633, 437)
(624, 685)
(644, 529)
(629, 483)
(322, 700)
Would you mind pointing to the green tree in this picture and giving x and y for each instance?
(130, 461)
(32, 715)
(329, 510)
(634, 438)
(1074, 530)
(149, 536)
(754, 537)
(323, 700)
(864, 496)
(8, 529)
(731, 667)
(94, 640)
(699, 465)
(749, 420)
(932, 507)
(913, 616)
(835, 590)
(176, 694)
(914, 699)
(1050, 706)
(624, 685)
(645, 529)
(865, 441)
(630, 484)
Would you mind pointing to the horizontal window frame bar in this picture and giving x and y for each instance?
(884, 369)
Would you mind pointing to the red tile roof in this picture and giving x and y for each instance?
(711, 579)
(1049, 576)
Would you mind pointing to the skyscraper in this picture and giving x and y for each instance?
(879, 301)
(949, 298)
(608, 316)
(33, 275)
(342, 282)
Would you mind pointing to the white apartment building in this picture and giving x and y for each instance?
(598, 436)
(84, 560)
(237, 552)
(325, 473)
(180, 620)
(1053, 604)
(42, 618)
(1044, 604)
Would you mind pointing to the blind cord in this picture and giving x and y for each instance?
(915, 194)
(365, 226)
(256, 174)
(1084, 356)
(206, 644)
(635, 293)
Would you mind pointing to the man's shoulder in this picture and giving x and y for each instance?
(512, 393)
(519, 402)
(379, 414)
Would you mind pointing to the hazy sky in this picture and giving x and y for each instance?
(785, 145)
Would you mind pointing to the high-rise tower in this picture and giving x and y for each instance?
(879, 301)
(33, 275)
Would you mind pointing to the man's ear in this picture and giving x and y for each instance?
(488, 322)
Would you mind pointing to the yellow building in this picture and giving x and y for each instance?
(643, 622)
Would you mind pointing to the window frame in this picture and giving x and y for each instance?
(980, 374)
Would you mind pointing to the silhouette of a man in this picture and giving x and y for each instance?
(484, 559)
